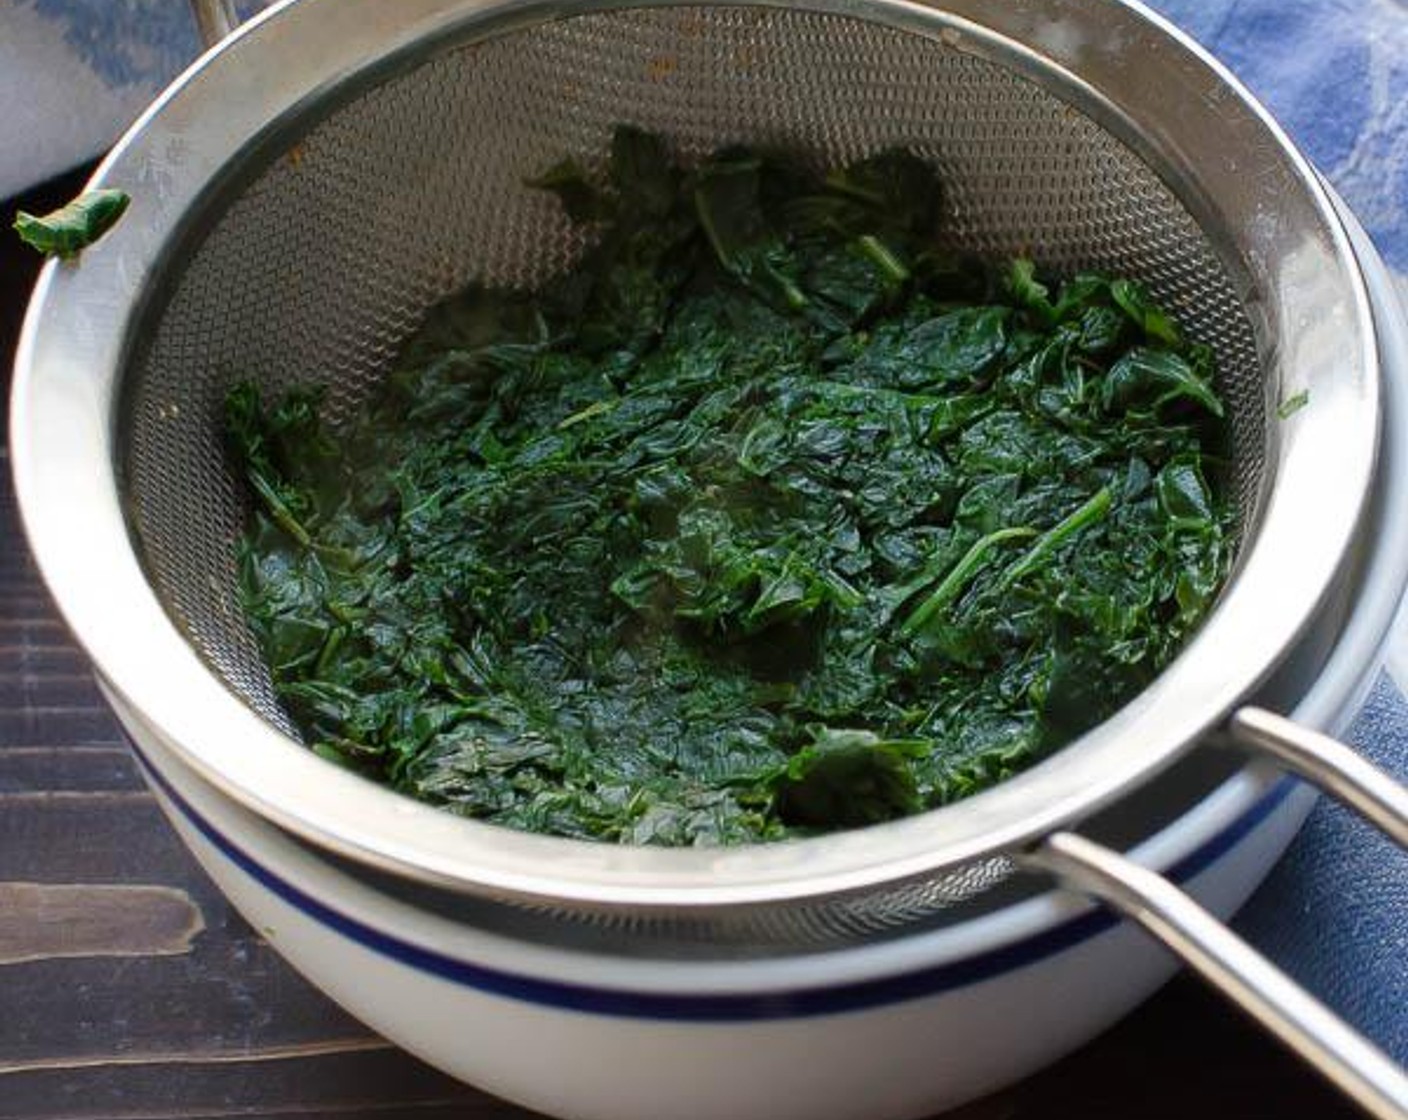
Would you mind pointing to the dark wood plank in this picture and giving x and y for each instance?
(20, 597)
(367, 1078)
(60, 657)
(27, 688)
(1125, 1074)
(217, 992)
(44, 630)
(27, 769)
(104, 837)
(55, 725)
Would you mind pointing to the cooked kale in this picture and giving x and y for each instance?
(770, 516)
(74, 226)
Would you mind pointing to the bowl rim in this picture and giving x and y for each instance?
(860, 977)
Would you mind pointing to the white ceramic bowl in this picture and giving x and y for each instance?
(898, 1028)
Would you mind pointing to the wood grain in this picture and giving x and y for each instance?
(46, 921)
(26, 769)
(355, 1079)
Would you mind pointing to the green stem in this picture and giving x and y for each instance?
(598, 408)
(281, 514)
(706, 221)
(329, 651)
(836, 181)
(794, 295)
(883, 258)
(284, 519)
(1093, 510)
(958, 576)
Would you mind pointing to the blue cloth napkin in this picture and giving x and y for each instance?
(1334, 73)
(1334, 912)
(75, 73)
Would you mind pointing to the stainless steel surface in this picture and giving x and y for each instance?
(1304, 1024)
(1329, 764)
(303, 195)
(215, 19)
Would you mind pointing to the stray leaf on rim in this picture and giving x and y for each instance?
(73, 227)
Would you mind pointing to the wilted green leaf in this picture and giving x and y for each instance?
(770, 516)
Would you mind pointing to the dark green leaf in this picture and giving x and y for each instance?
(73, 227)
(768, 516)
(582, 200)
(849, 778)
(1152, 320)
(1151, 380)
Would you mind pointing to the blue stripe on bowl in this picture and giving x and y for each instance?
(720, 1007)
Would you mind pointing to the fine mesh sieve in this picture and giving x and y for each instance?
(323, 263)
(304, 195)
(318, 267)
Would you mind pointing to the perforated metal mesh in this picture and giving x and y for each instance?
(780, 930)
(319, 268)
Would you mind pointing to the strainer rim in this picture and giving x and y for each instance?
(81, 318)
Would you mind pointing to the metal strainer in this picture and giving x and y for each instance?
(306, 192)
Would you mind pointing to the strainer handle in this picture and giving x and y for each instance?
(1355, 1065)
(1329, 764)
(215, 19)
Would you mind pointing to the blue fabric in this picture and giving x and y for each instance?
(1334, 912)
(130, 42)
(125, 44)
(75, 73)
(1334, 73)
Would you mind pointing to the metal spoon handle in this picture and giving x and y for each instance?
(1356, 1066)
(1329, 764)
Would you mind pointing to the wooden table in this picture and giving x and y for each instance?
(130, 989)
